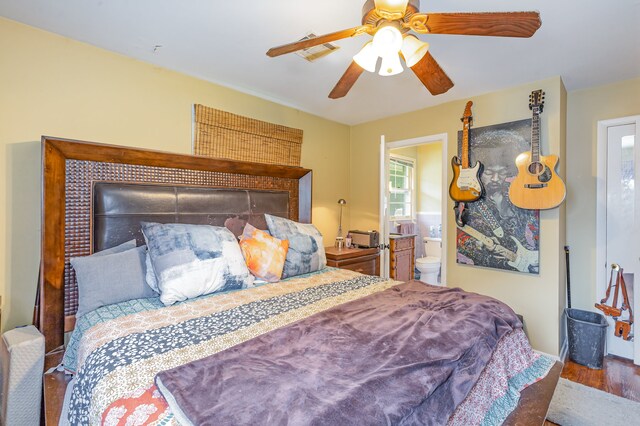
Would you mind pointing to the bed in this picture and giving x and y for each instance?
(80, 179)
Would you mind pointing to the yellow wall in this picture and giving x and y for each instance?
(55, 86)
(430, 177)
(534, 296)
(411, 152)
(562, 216)
(584, 109)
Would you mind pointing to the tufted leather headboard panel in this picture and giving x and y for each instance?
(139, 184)
(118, 209)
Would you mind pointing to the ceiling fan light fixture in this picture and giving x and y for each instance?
(387, 41)
(367, 58)
(391, 9)
(388, 20)
(413, 49)
(390, 65)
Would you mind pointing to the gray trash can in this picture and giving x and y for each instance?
(586, 332)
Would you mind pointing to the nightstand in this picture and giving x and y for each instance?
(363, 260)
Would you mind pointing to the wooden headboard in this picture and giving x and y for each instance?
(71, 168)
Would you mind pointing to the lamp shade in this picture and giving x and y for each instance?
(367, 58)
(390, 65)
(342, 201)
(387, 41)
(413, 49)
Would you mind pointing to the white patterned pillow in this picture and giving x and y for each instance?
(306, 248)
(193, 260)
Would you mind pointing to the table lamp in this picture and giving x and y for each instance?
(339, 238)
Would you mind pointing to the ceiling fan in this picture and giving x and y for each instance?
(390, 23)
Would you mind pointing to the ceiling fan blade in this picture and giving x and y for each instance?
(431, 75)
(315, 41)
(500, 24)
(347, 81)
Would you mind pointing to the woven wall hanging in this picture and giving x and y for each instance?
(220, 134)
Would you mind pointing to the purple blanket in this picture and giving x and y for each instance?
(407, 355)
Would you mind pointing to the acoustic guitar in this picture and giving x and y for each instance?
(537, 186)
(465, 185)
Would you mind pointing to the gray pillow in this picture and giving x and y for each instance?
(306, 248)
(117, 249)
(105, 279)
(193, 260)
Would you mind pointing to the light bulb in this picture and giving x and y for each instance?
(390, 65)
(387, 41)
(413, 50)
(367, 58)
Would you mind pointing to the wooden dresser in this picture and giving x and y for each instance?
(366, 260)
(402, 257)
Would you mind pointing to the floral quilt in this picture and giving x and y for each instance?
(116, 351)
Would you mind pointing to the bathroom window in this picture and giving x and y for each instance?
(401, 187)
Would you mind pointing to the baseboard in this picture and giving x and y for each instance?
(564, 350)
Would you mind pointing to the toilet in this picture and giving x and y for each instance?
(429, 266)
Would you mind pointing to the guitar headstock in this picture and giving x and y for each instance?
(467, 113)
(536, 101)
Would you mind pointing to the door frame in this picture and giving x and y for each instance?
(601, 215)
(384, 193)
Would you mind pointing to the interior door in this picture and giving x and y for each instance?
(622, 224)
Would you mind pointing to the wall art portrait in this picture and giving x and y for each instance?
(496, 234)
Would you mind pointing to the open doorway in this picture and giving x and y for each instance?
(413, 201)
(618, 221)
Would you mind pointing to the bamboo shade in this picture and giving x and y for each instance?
(220, 134)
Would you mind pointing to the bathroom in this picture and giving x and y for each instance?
(415, 203)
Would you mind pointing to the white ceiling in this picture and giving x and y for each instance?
(587, 42)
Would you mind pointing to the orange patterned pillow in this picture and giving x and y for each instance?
(263, 253)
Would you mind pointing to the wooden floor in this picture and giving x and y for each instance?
(618, 376)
